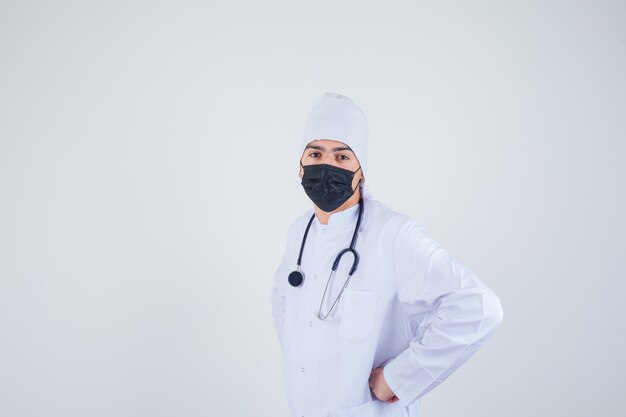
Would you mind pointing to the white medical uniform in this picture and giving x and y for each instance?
(410, 305)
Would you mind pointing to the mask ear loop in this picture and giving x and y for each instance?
(360, 179)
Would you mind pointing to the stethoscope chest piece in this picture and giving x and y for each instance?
(296, 278)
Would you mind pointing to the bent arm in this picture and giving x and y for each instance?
(453, 311)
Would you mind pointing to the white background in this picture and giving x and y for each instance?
(148, 173)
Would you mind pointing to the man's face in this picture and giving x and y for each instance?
(332, 152)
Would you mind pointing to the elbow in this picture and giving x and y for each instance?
(489, 320)
(493, 313)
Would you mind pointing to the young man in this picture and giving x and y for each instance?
(397, 315)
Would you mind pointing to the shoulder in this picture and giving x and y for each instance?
(406, 233)
(297, 226)
(391, 221)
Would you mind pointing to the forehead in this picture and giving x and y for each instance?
(328, 145)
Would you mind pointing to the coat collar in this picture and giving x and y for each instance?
(340, 220)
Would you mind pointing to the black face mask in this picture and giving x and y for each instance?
(327, 185)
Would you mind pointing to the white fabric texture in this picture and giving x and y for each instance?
(336, 117)
(410, 306)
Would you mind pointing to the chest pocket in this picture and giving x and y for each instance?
(358, 313)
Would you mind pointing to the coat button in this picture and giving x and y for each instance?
(302, 369)
(310, 323)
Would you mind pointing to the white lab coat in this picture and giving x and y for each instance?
(410, 305)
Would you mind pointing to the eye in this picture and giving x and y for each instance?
(343, 157)
(313, 153)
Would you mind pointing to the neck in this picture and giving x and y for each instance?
(323, 216)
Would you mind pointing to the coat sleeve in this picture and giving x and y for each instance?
(452, 311)
(277, 293)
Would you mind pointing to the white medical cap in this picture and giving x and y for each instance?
(336, 117)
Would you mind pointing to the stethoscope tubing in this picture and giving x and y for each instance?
(353, 268)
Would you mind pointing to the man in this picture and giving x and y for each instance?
(374, 342)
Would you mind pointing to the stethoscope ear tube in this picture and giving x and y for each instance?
(355, 262)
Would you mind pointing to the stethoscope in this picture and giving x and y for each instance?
(296, 278)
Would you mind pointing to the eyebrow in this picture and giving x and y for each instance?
(335, 149)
